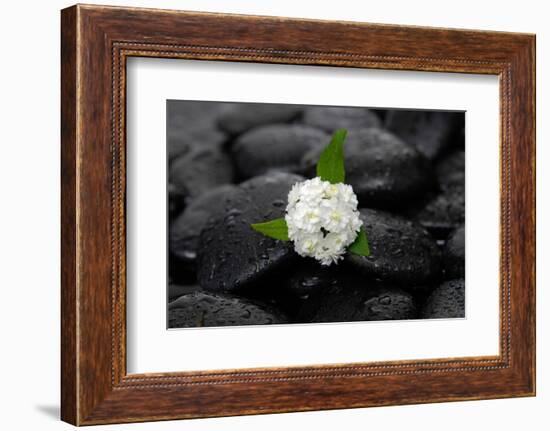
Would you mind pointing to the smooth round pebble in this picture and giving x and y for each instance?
(200, 170)
(444, 212)
(446, 301)
(177, 290)
(331, 118)
(277, 147)
(309, 277)
(384, 171)
(431, 132)
(304, 280)
(359, 301)
(244, 116)
(269, 193)
(186, 228)
(201, 309)
(401, 250)
(231, 255)
(454, 255)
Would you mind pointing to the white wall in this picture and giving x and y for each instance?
(29, 213)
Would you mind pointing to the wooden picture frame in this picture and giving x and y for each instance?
(95, 43)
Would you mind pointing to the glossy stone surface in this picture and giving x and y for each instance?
(359, 300)
(275, 148)
(454, 255)
(384, 171)
(444, 212)
(231, 255)
(200, 170)
(331, 118)
(445, 302)
(177, 290)
(201, 309)
(430, 132)
(401, 250)
(240, 118)
(186, 229)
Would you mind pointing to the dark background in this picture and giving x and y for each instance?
(232, 164)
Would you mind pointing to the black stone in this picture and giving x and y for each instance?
(231, 255)
(201, 309)
(384, 171)
(177, 290)
(444, 212)
(401, 251)
(192, 125)
(200, 170)
(310, 277)
(446, 301)
(304, 281)
(454, 255)
(331, 118)
(359, 300)
(451, 170)
(431, 132)
(186, 229)
(244, 116)
(278, 147)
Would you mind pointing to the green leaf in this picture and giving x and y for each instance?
(274, 229)
(360, 246)
(330, 166)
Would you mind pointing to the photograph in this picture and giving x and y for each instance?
(302, 214)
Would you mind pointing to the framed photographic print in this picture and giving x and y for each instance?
(264, 215)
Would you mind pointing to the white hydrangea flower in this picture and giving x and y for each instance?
(322, 219)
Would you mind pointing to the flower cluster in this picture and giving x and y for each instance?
(322, 219)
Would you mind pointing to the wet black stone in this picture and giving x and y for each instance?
(269, 193)
(231, 255)
(446, 301)
(444, 212)
(177, 290)
(451, 170)
(454, 255)
(384, 171)
(200, 170)
(401, 251)
(201, 309)
(431, 132)
(186, 228)
(306, 279)
(359, 300)
(310, 277)
(192, 125)
(278, 147)
(331, 118)
(244, 116)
